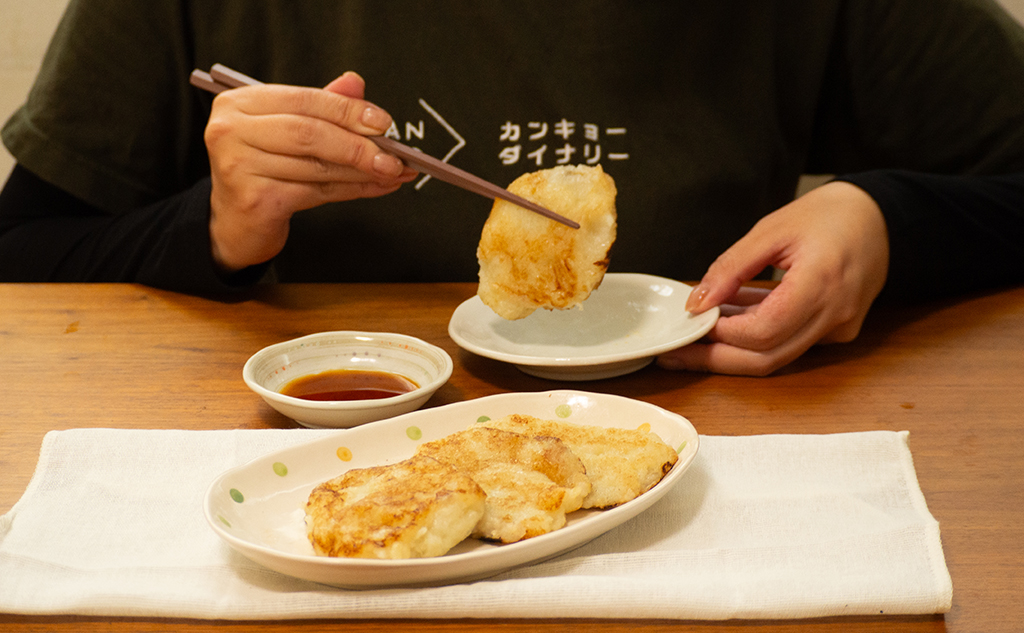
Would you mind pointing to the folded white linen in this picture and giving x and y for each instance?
(770, 526)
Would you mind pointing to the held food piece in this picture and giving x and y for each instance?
(622, 464)
(413, 509)
(531, 482)
(528, 261)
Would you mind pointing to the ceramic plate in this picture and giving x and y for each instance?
(624, 324)
(258, 508)
(273, 367)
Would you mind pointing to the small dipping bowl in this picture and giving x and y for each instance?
(273, 367)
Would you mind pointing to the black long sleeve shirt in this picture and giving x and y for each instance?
(704, 113)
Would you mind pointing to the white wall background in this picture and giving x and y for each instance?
(25, 30)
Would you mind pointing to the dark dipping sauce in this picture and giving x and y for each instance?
(348, 384)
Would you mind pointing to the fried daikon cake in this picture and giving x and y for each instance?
(531, 482)
(413, 509)
(622, 464)
(528, 261)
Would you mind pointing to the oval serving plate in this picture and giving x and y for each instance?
(627, 321)
(258, 508)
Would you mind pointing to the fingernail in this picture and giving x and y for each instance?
(695, 301)
(374, 117)
(388, 165)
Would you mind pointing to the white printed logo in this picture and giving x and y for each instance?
(564, 149)
(417, 131)
(536, 142)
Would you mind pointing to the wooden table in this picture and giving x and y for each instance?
(952, 374)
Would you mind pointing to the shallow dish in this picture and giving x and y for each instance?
(626, 322)
(269, 369)
(258, 508)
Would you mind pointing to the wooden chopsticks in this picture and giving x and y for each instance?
(221, 78)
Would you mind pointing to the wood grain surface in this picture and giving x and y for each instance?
(127, 356)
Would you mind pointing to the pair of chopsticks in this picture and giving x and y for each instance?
(221, 78)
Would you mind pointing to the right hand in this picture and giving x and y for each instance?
(276, 150)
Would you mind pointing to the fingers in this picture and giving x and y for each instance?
(302, 122)
(276, 150)
(757, 338)
(719, 353)
(349, 84)
(754, 337)
(321, 149)
(763, 246)
(744, 299)
(757, 318)
(720, 358)
(354, 114)
(833, 245)
(780, 316)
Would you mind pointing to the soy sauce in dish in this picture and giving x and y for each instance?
(348, 384)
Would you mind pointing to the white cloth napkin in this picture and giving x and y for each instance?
(783, 526)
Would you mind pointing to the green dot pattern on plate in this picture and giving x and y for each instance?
(563, 410)
(483, 418)
(280, 469)
(236, 495)
(224, 521)
(681, 447)
(414, 432)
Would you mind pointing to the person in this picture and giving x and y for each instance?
(706, 115)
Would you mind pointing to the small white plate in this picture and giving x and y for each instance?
(259, 508)
(620, 328)
(271, 368)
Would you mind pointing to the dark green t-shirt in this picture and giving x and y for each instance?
(704, 113)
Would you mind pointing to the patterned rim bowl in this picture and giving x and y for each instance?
(273, 367)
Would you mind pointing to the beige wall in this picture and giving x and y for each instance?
(25, 29)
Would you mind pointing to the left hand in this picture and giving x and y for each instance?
(833, 244)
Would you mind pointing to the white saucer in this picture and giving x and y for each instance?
(626, 322)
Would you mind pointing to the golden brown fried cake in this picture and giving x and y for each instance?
(413, 509)
(531, 482)
(528, 261)
(621, 464)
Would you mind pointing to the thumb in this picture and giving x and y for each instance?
(349, 84)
